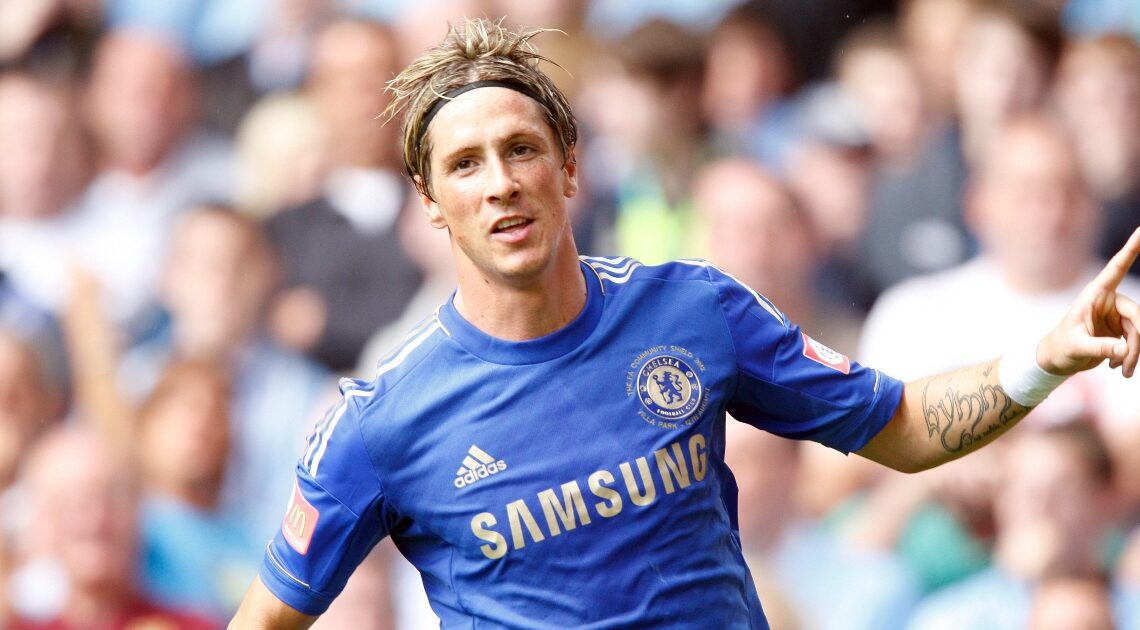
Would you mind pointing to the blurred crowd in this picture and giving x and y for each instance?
(204, 222)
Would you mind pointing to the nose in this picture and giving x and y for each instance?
(502, 187)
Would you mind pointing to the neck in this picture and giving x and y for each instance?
(524, 311)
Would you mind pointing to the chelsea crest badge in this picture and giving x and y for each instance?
(666, 381)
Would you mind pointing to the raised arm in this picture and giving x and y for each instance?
(261, 610)
(943, 417)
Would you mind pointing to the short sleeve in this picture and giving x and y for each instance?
(335, 515)
(795, 386)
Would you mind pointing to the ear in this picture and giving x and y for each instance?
(430, 207)
(571, 168)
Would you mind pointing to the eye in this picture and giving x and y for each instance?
(521, 149)
(463, 164)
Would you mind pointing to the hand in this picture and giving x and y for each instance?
(1102, 324)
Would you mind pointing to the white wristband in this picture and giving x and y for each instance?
(1023, 379)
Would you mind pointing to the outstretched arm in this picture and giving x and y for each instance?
(943, 417)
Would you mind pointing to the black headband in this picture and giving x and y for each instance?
(467, 87)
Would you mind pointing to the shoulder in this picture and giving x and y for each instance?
(367, 409)
(417, 347)
(621, 272)
(618, 270)
(689, 279)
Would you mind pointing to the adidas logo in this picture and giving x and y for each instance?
(477, 465)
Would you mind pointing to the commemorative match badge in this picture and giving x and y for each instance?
(820, 353)
(667, 383)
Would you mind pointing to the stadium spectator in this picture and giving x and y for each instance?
(151, 164)
(1098, 93)
(1052, 512)
(44, 166)
(800, 566)
(747, 82)
(930, 30)
(84, 497)
(273, 55)
(1003, 65)
(345, 271)
(281, 145)
(216, 280)
(1028, 184)
(651, 80)
(182, 446)
(914, 218)
(875, 72)
(758, 232)
(831, 178)
(29, 405)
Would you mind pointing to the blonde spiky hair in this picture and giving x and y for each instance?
(475, 50)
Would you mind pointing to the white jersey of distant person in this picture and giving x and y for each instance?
(577, 479)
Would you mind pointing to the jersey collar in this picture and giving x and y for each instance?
(545, 348)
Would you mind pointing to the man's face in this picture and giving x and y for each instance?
(186, 439)
(1032, 188)
(216, 280)
(138, 100)
(500, 184)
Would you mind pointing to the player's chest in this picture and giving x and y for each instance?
(529, 452)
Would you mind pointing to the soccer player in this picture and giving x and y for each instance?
(547, 448)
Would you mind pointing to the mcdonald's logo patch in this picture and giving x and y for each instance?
(300, 520)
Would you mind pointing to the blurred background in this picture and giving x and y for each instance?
(203, 224)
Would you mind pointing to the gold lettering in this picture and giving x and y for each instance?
(613, 497)
(552, 507)
(498, 547)
(699, 456)
(670, 469)
(518, 514)
(635, 495)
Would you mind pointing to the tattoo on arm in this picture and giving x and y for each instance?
(962, 418)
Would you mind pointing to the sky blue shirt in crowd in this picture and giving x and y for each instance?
(576, 479)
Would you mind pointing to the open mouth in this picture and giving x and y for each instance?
(513, 224)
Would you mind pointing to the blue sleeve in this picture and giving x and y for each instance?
(792, 385)
(336, 514)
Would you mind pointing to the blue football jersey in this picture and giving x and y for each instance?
(577, 479)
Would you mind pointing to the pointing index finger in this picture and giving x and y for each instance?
(1119, 264)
